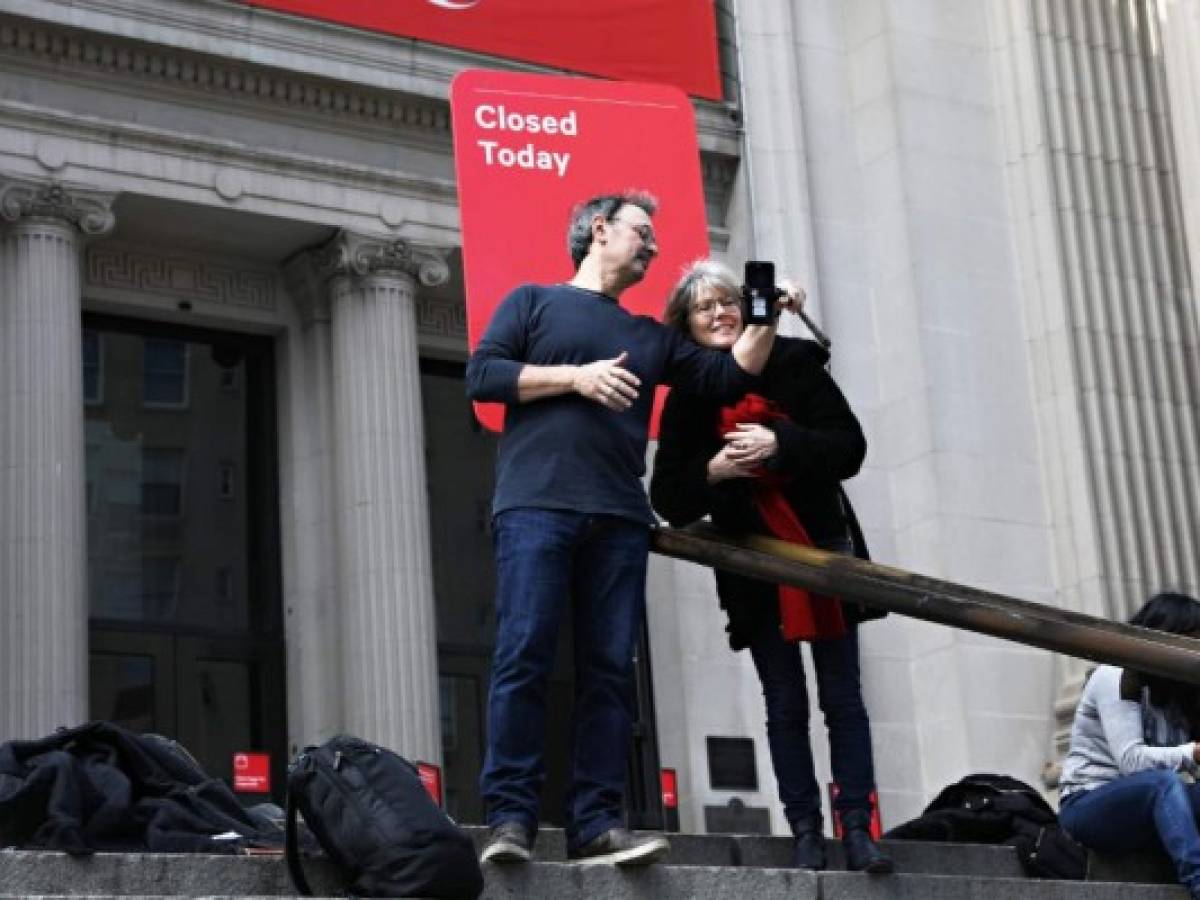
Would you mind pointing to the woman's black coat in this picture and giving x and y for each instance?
(820, 445)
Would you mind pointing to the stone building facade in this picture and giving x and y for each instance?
(996, 209)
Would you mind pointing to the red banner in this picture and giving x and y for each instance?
(528, 148)
(664, 41)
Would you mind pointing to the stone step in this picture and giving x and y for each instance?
(128, 876)
(761, 851)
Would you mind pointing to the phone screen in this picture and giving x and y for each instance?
(760, 293)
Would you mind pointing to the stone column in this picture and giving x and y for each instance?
(389, 633)
(313, 601)
(43, 552)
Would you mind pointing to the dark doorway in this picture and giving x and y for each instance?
(186, 635)
(460, 458)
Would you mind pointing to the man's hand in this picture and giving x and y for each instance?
(752, 443)
(608, 382)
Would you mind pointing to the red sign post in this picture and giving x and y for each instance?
(667, 41)
(528, 148)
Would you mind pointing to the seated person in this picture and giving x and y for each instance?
(1132, 736)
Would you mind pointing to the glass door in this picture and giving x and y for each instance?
(183, 569)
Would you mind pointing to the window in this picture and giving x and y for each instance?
(164, 373)
(93, 368)
(160, 587)
(162, 482)
(225, 586)
(225, 481)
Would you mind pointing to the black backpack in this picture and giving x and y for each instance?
(998, 809)
(368, 809)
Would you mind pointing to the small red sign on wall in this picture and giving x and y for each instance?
(252, 773)
(670, 789)
(876, 825)
(431, 777)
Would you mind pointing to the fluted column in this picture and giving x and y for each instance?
(389, 634)
(313, 603)
(43, 552)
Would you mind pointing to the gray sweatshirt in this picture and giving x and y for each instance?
(1112, 737)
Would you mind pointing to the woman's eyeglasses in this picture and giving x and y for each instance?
(709, 306)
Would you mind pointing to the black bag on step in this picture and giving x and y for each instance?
(370, 812)
(998, 809)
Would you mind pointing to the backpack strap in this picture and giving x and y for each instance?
(292, 848)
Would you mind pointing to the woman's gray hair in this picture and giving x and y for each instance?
(703, 273)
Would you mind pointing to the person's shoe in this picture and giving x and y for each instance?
(862, 853)
(622, 848)
(809, 850)
(508, 842)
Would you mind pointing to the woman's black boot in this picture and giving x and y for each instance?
(808, 852)
(862, 853)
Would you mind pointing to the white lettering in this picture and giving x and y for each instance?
(526, 157)
(498, 118)
(454, 4)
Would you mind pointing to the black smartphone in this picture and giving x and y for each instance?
(759, 293)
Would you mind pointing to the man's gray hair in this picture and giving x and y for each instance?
(579, 233)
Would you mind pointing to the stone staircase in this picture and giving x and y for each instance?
(701, 867)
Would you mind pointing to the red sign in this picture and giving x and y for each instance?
(876, 824)
(664, 41)
(431, 777)
(670, 789)
(528, 148)
(252, 773)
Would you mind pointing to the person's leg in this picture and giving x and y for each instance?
(609, 591)
(1131, 813)
(534, 549)
(839, 692)
(780, 669)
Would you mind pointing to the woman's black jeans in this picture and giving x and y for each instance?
(781, 671)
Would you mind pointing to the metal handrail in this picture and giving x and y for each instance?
(934, 600)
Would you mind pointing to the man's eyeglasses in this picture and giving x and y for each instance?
(709, 306)
(643, 229)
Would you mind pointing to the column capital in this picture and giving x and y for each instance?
(307, 287)
(89, 211)
(352, 254)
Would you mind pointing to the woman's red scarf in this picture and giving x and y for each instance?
(803, 615)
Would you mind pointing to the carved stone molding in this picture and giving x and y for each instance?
(441, 317)
(89, 211)
(358, 255)
(180, 277)
(68, 50)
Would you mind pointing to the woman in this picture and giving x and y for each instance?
(1132, 737)
(773, 464)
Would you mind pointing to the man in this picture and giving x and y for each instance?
(571, 520)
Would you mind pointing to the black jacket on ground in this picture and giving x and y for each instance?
(820, 445)
(99, 787)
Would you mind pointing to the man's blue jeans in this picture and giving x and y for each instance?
(1137, 811)
(781, 671)
(548, 562)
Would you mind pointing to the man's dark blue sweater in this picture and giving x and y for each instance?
(569, 452)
